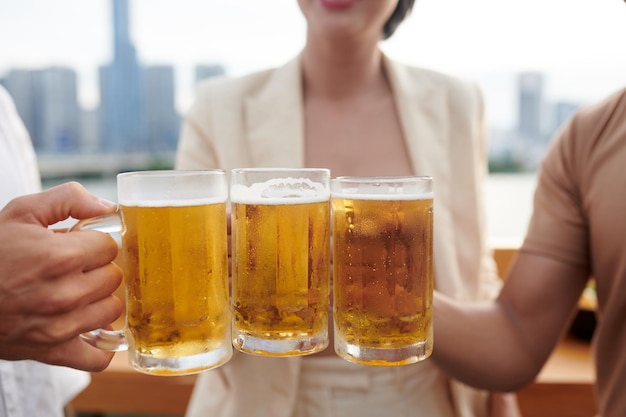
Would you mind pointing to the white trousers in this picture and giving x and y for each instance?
(333, 387)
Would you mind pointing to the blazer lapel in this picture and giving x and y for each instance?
(422, 110)
(420, 106)
(274, 119)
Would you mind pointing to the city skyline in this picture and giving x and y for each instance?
(573, 42)
(136, 112)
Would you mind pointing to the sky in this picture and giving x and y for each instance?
(578, 44)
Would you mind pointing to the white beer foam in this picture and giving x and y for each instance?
(170, 203)
(280, 191)
(383, 196)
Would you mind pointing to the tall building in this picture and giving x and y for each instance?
(207, 71)
(90, 131)
(564, 111)
(58, 111)
(162, 121)
(530, 104)
(120, 90)
(21, 85)
(47, 101)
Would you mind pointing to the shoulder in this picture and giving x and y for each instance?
(225, 86)
(225, 97)
(600, 115)
(593, 128)
(456, 88)
(219, 100)
(441, 79)
(587, 152)
(236, 89)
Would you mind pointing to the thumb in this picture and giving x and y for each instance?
(66, 200)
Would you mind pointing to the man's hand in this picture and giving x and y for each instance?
(55, 286)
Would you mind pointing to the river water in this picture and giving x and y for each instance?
(508, 200)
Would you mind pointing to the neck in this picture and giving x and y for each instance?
(340, 70)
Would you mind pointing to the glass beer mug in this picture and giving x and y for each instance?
(382, 269)
(281, 260)
(174, 259)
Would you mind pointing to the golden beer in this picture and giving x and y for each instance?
(174, 257)
(281, 272)
(175, 269)
(383, 278)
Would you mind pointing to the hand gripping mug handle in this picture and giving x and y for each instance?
(110, 340)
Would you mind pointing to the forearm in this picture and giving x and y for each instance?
(502, 345)
(480, 345)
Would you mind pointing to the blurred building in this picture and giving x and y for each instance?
(207, 71)
(21, 86)
(59, 111)
(136, 119)
(90, 131)
(530, 104)
(161, 120)
(564, 110)
(47, 101)
(523, 147)
(121, 123)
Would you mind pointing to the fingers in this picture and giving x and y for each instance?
(72, 291)
(85, 250)
(50, 329)
(56, 286)
(73, 200)
(79, 354)
(58, 203)
(56, 339)
(76, 269)
(49, 273)
(58, 310)
(97, 315)
(74, 353)
(104, 282)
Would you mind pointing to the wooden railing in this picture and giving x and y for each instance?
(563, 388)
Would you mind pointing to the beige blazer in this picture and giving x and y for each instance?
(257, 121)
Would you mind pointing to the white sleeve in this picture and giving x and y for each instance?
(19, 173)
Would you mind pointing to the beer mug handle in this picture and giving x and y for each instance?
(110, 340)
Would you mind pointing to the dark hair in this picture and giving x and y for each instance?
(399, 14)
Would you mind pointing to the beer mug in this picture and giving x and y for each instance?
(175, 262)
(280, 221)
(382, 269)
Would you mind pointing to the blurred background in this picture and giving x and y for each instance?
(101, 85)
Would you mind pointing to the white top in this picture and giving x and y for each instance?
(28, 388)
